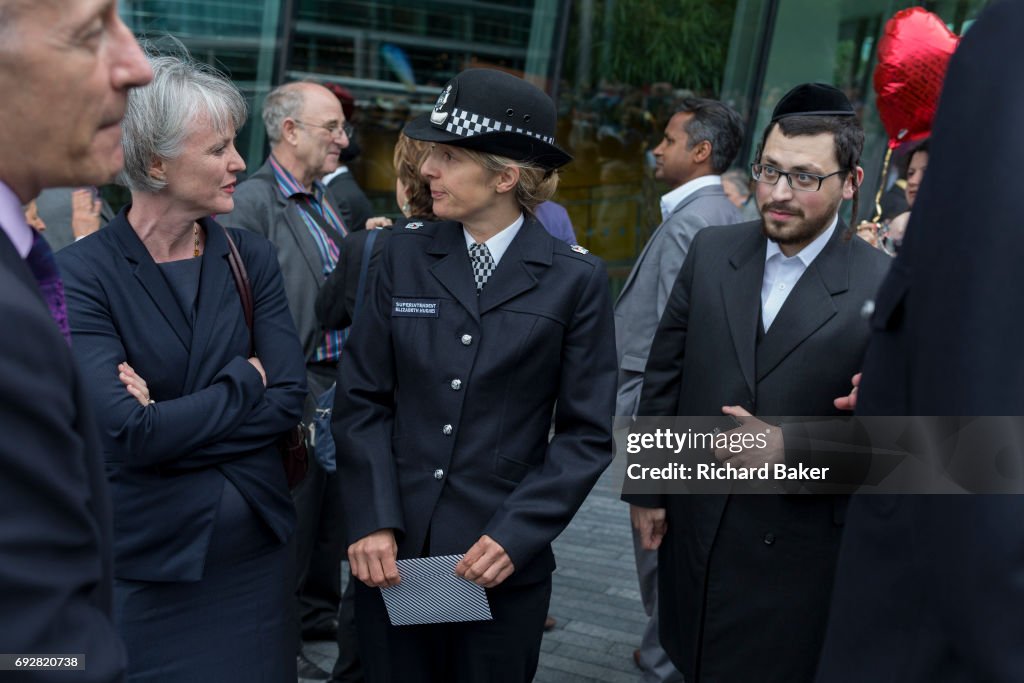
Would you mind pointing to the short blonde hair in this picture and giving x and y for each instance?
(536, 185)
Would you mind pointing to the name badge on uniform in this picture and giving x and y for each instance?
(414, 308)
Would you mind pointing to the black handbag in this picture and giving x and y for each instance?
(291, 444)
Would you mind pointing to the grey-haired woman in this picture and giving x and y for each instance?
(190, 402)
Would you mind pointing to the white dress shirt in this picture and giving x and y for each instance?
(498, 244)
(781, 273)
(670, 200)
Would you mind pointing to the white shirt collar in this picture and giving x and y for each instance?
(671, 199)
(326, 180)
(498, 244)
(808, 253)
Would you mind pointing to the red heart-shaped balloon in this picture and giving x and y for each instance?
(913, 55)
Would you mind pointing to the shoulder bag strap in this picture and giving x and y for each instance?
(244, 286)
(364, 267)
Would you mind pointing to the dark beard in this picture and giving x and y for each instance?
(803, 232)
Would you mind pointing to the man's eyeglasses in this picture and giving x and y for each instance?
(798, 180)
(332, 127)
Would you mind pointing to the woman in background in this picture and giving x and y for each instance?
(915, 174)
(336, 302)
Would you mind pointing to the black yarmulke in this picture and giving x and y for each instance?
(813, 99)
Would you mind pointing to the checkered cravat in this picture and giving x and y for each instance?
(42, 264)
(483, 264)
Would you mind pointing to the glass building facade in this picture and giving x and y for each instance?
(615, 68)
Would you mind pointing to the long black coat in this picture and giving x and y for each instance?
(744, 580)
(445, 398)
(931, 588)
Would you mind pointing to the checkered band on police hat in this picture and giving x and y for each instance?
(493, 112)
(466, 124)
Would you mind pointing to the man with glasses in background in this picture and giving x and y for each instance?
(285, 202)
(764, 319)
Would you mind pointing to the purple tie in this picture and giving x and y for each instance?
(40, 260)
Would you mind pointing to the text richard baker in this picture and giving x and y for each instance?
(707, 471)
(733, 442)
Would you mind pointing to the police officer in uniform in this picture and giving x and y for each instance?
(477, 330)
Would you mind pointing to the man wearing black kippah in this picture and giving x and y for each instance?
(764, 320)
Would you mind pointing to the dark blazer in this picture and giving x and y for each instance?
(260, 208)
(745, 579)
(352, 202)
(931, 588)
(55, 529)
(442, 416)
(336, 302)
(212, 419)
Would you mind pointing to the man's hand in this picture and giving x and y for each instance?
(868, 232)
(650, 523)
(486, 563)
(378, 222)
(85, 213)
(849, 402)
(372, 559)
(775, 452)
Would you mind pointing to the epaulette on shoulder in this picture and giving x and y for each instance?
(418, 227)
(575, 252)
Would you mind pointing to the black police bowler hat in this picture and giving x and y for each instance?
(493, 112)
(813, 99)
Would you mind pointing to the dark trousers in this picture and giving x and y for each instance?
(504, 650)
(347, 668)
(318, 534)
(319, 546)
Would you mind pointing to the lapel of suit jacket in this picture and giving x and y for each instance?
(700, 192)
(809, 305)
(214, 278)
(741, 295)
(149, 276)
(296, 223)
(515, 273)
(452, 269)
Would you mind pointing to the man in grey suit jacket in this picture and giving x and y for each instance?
(764, 319)
(285, 202)
(701, 140)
